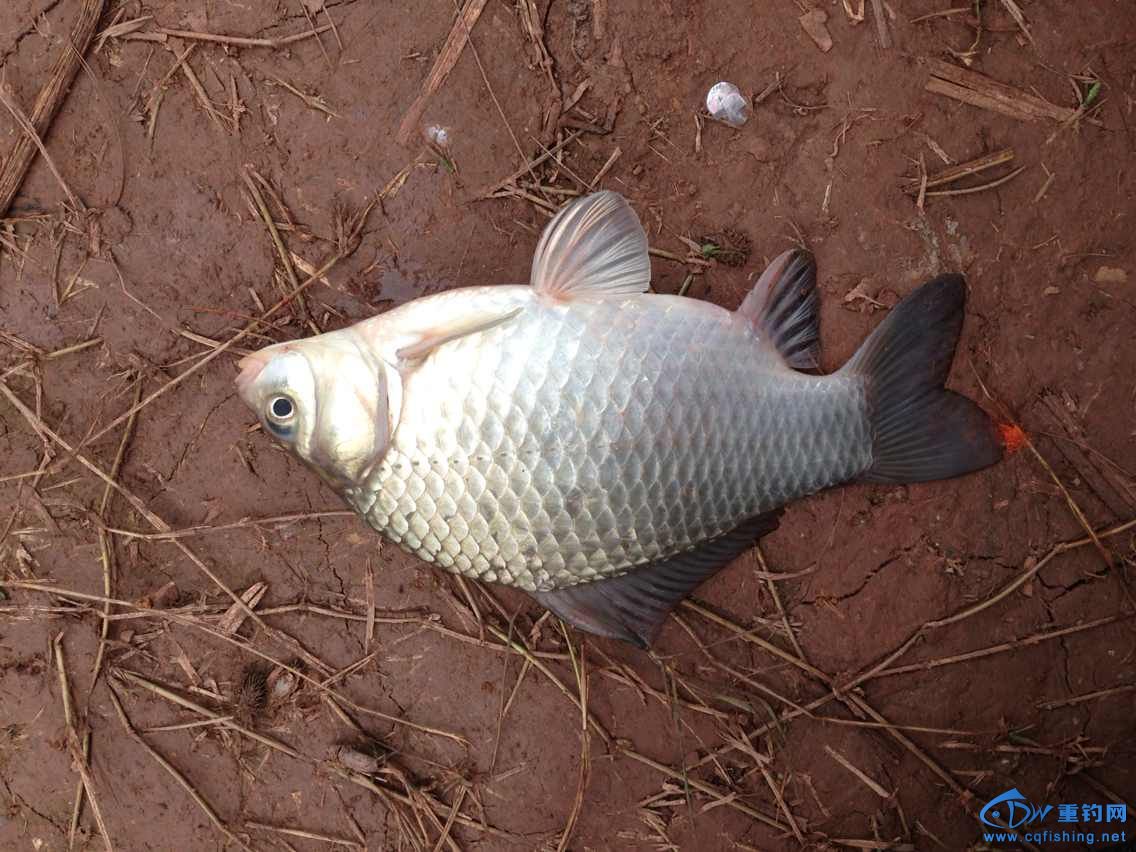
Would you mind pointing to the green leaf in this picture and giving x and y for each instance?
(1091, 95)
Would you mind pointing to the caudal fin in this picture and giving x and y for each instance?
(920, 431)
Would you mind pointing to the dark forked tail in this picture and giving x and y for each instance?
(920, 431)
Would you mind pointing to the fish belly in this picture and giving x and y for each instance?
(579, 440)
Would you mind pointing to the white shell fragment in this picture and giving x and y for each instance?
(725, 102)
(439, 135)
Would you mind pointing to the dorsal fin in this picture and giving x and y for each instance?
(594, 247)
(783, 308)
(633, 606)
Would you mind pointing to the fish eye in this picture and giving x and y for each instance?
(281, 409)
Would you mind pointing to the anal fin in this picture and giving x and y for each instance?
(633, 606)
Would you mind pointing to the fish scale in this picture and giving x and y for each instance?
(572, 445)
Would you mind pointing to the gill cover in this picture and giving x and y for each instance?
(326, 399)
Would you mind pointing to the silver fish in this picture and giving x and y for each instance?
(604, 448)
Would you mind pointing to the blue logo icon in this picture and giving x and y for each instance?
(1013, 810)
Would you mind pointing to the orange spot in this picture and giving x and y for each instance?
(1013, 437)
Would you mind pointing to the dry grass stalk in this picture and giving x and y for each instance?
(73, 743)
(50, 99)
(443, 65)
(521, 649)
(199, 90)
(529, 166)
(304, 834)
(197, 624)
(859, 773)
(579, 668)
(615, 155)
(782, 804)
(45, 431)
(444, 838)
(233, 725)
(162, 34)
(881, 24)
(979, 90)
(32, 134)
(727, 799)
(208, 810)
(369, 590)
(351, 243)
(235, 615)
(1087, 696)
(1026, 575)
(971, 167)
(369, 783)
(1105, 553)
(1020, 19)
(1003, 647)
(106, 549)
(244, 523)
(970, 190)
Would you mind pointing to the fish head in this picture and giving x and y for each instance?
(326, 399)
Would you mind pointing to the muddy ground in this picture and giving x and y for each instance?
(726, 739)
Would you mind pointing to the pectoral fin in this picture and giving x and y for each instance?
(594, 247)
(633, 606)
(425, 340)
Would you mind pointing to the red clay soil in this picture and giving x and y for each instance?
(172, 247)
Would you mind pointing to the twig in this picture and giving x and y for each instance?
(981, 91)
(979, 164)
(606, 167)
(50, 99)
(970, 190)
(447, 58)
(943, 13)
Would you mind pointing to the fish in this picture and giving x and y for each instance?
(604, 448)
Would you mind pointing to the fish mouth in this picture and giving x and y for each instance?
(250, 366)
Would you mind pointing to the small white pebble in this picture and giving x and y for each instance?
(726, 103)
